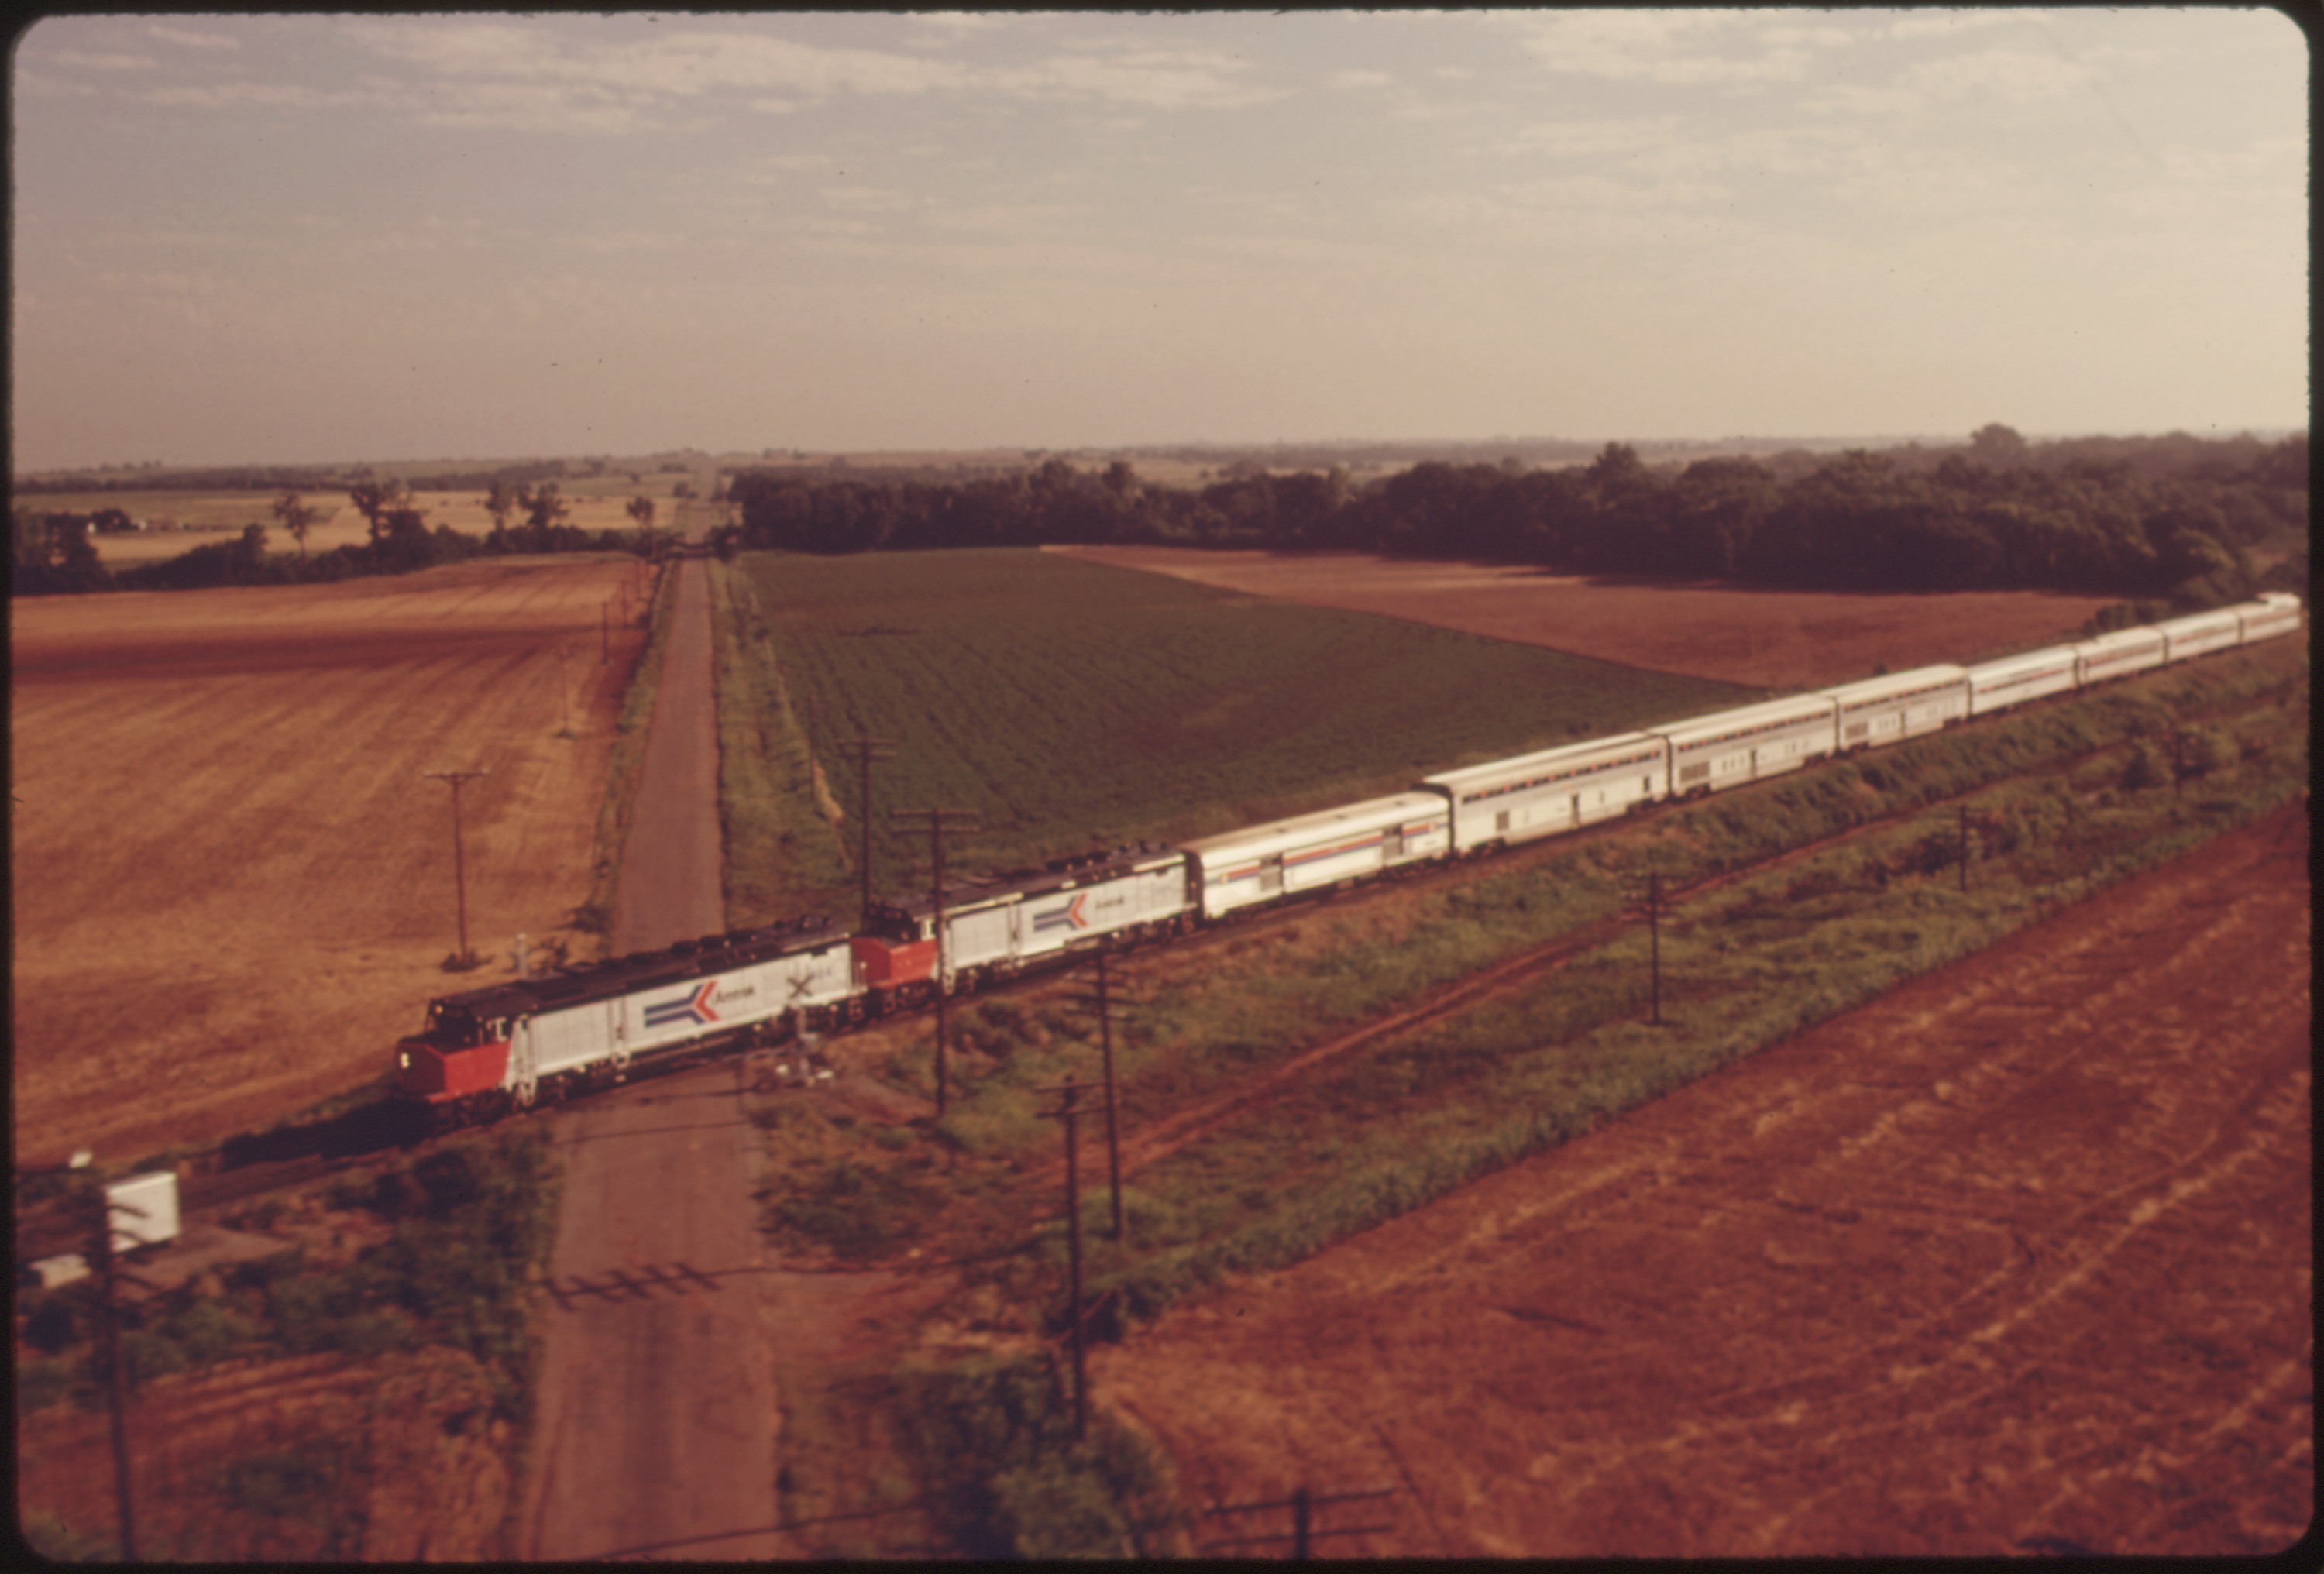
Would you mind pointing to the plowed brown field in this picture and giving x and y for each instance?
(1770, 638)
(2017, 1259)
(233, 888)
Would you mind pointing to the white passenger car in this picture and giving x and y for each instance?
(2117, 655)
(2272, 614)
(2200, 634)
(1308, 850)
(1995, 685)
(1731, 748)
(1558, 789)
(1898, 705)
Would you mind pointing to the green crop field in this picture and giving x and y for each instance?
(1070, 704)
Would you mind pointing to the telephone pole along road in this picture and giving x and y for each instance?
(654, 1426)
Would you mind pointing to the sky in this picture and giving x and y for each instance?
(321, 239)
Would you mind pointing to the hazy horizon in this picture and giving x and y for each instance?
(324, 239)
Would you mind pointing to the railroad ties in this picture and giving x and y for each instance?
(676, 1278)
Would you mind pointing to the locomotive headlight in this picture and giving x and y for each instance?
(404, 1060)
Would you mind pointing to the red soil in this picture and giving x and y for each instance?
(1765, 638)
(2015, 1259)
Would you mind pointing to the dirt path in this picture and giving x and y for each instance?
(2017, 1259)
(672, 878)
(657, 1426)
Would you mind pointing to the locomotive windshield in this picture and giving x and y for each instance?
(452, 1025)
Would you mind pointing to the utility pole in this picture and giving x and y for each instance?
(936, 820)
(1964, 848)
(101, 1255)
(1102, 1006)
(564, 699)
(459, 778)
(606, 631)
(1066, 1111)
(867, 750)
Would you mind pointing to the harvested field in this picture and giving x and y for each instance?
(2016, 1260)
(1764, 639)
(181, 522)
(232, 888)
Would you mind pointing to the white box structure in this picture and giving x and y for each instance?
(145, 1210)
(2200, 634)
(1897, 706)
(1308, 850)
(1558, 789)
(1731, 748)
(2117, 655)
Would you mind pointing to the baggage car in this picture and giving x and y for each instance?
(1557, 789)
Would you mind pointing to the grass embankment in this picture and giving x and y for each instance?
(780, 839)
(1070, 705)
(429, 1323)
(627, 762)
(2065, 800)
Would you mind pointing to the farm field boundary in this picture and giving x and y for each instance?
(1780, 639)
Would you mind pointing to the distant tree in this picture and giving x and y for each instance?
(499, 501)
(1997, 444)
(373, 500)
(544, 508)
(642, 509)
(298, 517)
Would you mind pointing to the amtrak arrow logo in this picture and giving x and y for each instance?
(1069, 917)
(693, 1008)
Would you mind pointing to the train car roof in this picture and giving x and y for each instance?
(1793, 707)
(1518, 764)
(1895, 683)
(620, 975)
(1058, 874)
(1371, 813)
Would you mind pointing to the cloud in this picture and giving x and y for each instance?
(85, 60)
(186, 38)
(1677, 47)
(1360, 78)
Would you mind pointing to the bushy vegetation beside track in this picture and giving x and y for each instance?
(466, 1230)
(1072, 704)
(991, 1435)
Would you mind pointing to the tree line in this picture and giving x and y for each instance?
(2173, 517)
(54, 552)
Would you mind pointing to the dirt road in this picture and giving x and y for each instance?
(671, 884)
(2017, 1259)
(656, 1431)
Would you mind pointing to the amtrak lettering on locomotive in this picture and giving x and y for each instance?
(509, 1045)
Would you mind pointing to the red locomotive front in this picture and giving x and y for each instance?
(455, 1056)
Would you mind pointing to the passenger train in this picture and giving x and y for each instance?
(511, 1044)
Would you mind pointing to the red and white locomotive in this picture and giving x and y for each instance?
(511, 1044)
